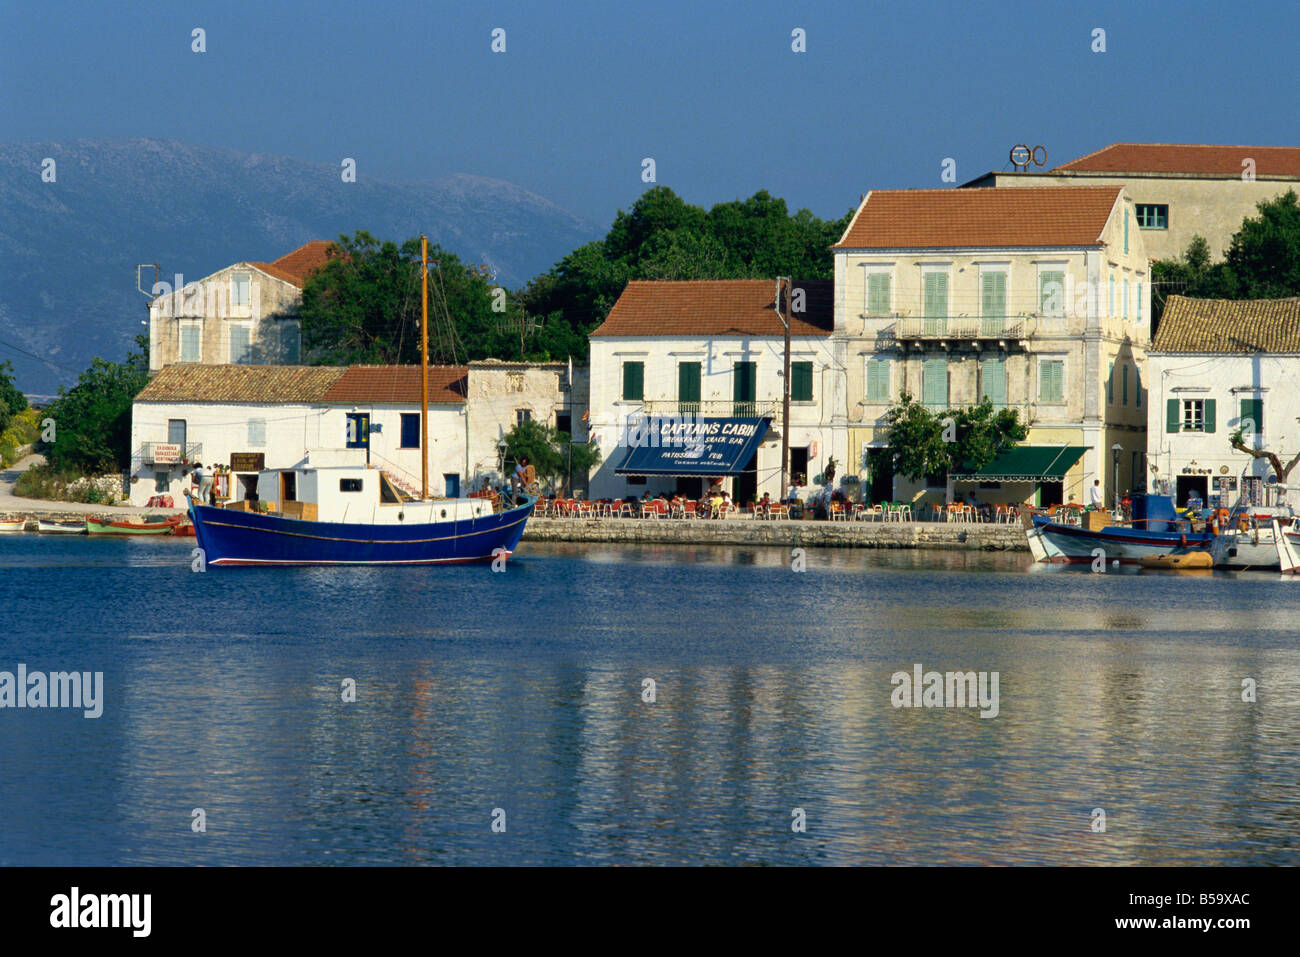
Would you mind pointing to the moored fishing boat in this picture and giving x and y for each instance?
(183, 529)
(13, 524)
(1155, 529)
(99, 526)
(60, 528)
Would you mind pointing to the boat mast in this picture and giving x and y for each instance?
(424, 368)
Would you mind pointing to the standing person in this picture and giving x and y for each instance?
(204, 478)
(1094, 494)
(519, 479)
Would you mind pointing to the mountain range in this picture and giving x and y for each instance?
(71, 246)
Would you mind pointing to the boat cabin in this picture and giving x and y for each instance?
(355, 494)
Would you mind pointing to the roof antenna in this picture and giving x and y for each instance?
(137, 277)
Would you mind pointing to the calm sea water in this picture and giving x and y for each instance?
(522, 691)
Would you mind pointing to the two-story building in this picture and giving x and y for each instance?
(244, 314)
(1219, 367)
(1038, 299)
(708, 353)
(1178, 190)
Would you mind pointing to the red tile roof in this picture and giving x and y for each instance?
(296, 266)
(1270, 161)
(979, 217)
(1229, 326)
(398, 385)
(194, 382)
(716, 307)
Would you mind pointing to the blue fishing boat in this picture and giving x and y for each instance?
(1154, 529)
(339, 516)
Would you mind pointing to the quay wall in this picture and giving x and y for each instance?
(818, 534)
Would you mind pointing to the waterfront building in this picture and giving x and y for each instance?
(714, 350)
(1178, 190)
(253, 417)
(244, 314)
(1218, 366)
(1038, 299)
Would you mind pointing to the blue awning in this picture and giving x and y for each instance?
(691, 446)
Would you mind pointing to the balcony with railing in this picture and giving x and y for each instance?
(714, 408)
(170, 453)
(963, 328)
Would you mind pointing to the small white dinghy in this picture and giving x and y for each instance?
(13, 524)
(60, 528)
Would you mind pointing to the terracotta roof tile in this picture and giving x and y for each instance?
(398, 385)
(193, 382)
(296, 266)
(1229, 326)
(721, 307)
(1193, 159)
(981, 217)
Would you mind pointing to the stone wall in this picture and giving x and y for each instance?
(745, 531)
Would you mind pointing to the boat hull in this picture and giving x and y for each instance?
(230, 537)
(1075, 544)
(13, 525)
(96, 526)
(59, 528)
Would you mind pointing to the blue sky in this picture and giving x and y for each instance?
(711, 91)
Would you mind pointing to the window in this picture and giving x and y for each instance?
(162, 482)
(290, 343)
(1126, 232)
(801, 381)
(935, 304)
(878, 380)
(1125, 393)
(1190, 415)
(744, 386)
(688, 387)
(1137, 386)
(1051, 380)
(1153, 215)
(564, 423)
(1110, 302)
(410, 429)
(993, 381)
(633, 381)
(240, 343)
(1139, 303)
(1051, 292)
(878, 293)
(350, 485)
(257, 433)
(1125, 298)
(239, 286)
(1110, 385)
(1252, 417)
(993, 302)
(176, 430)
(191, 333)
(934, 383)
(936, 480)
(523, 415)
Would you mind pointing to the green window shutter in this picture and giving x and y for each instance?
(1252, 414)
(1125, 385)
(1110, 311)
(1051, 293)
(878, 293)
(1172, 416)
(1209, 415)
(934, 383)
(745, 381)
(1126, 232)
(1110, 385)
(688, 382)
(801, 381)
(936, 295)
(993, 381)
(634, 381)
(878, 380)
(1139, 303)
(1051, 381)
(1137, 386)
(993, 294)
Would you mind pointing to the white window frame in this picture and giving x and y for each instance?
(888, 362)
(230, 340)
(1065, 379)
(1191, 415)
(184, 325)
(1063, 267)
(238, 308)
(877, 269)
(999, 267)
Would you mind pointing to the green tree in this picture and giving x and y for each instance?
(549, 451)
(1265, 253)
(11, 400)
(915, 439)
(925, 443)
(982, 432)
(93, 419)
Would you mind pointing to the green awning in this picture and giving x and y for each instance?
(1028, 463)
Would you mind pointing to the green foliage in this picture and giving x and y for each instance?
(23, 430)
(11, 400)
(93, 419)
(549, 451)
(1262, 262)
(979, 432)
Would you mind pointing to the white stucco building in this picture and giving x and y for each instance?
(1216, 367)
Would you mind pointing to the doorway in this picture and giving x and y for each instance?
(799, 465)
(1048, 494)
(452, 483)
(880, 468)
(744, 485)
(690, 487)
(1185, 485)
(288, 487)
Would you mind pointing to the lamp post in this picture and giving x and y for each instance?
(501, 459)
(1114, 491)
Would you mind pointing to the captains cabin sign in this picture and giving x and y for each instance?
(690, 446)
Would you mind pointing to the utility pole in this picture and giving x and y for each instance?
(785, 397)
(424, 368)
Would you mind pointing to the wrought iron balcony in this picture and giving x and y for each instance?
(963, 328)
(714, 408)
